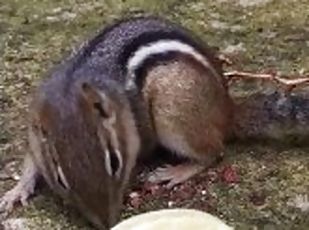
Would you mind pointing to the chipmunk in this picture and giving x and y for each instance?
(140, 82)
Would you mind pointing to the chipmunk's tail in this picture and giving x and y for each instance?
(272, 117)
(280, 116)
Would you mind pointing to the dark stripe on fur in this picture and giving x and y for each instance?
(151, 37)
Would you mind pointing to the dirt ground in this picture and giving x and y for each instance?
(256, 186)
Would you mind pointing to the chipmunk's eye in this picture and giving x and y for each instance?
(99, 102)
(44, 131)
(113, 161)
(99, 108)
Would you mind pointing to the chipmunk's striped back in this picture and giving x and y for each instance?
(129, 47)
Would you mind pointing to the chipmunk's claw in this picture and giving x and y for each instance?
(174, 174)
(20, 193)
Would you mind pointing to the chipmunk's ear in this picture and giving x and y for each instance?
(97, 100)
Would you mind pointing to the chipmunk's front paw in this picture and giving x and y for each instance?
(174, 174)
(20, 193)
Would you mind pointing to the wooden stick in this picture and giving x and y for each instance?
(289, 84)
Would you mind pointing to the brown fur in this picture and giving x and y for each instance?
(190, 108)
(69, 153)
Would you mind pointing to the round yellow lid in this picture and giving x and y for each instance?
(173, 219)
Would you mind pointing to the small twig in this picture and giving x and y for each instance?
(297, 81)
(289, 84)
(239, 74)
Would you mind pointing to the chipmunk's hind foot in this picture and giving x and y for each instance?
(175, 174)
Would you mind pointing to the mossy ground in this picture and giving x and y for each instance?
(34, 34)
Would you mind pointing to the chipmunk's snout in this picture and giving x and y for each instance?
(112, 126)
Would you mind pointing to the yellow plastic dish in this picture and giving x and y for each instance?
(173, 219)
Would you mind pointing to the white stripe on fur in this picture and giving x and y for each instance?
(108, 163)
(62, 177)
(160, 47)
